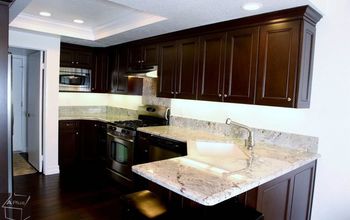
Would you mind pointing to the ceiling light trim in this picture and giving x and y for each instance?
(36, 23)
(115, 27)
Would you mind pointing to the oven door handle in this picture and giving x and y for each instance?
(119, 137)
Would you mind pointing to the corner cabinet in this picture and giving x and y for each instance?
(285, 64)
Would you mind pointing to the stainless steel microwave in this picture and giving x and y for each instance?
(75, 79)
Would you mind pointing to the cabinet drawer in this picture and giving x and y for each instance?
(68, 124)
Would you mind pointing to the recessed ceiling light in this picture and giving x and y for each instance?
(78, 21)
(45, 13)
(251, 6)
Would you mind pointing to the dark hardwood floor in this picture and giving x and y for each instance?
(71, 196)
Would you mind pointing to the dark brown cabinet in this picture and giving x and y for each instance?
(117, 72)
(241, 65)
(139, 56)
(288, 197)
(120, 83)
(81, 142)
(211, 69)
(100, 75)
(278, 64)
(167, 69)
(76, 56)
(69, 141)
(178, 67)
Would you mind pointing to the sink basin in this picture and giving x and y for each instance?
(222, 155)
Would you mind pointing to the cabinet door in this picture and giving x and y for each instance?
(135, 56)
(118, 65)
(150, 55)
(89, 141)
(241, 65)
(68, 143)
(99, 80)
(167, 69)
(67, 58)
(278, 62)
(275, 197)
(211, 70)
(187, 63)
(83, 59)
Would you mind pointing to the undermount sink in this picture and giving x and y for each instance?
(222, 155)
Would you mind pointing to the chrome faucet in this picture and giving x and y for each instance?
(250, 142)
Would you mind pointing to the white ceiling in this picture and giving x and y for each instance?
(110, 22)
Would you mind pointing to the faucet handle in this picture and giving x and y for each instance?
(228, 121)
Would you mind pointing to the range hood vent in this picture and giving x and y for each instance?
(143, 72)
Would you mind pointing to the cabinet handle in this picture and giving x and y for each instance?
(95, 125)
(146, 151)
(77, 62)
(225, 95)
(76, 133)
(172, 92)
(72, 62)
(289, 99)
(142, 61)
(219, 95)
(139, 61)
(176, 93)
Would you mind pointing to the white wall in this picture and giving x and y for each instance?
(328, 118)
(51, 45)
(99, 99)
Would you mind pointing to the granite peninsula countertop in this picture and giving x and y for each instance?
(211, 180)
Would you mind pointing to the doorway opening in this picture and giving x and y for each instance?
(27, 73)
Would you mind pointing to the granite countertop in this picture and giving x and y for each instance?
(212, 179)
(98, 117)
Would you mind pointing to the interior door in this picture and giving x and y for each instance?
(34, 108)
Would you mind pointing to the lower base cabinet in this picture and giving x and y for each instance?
(288, 197)
(81, 143)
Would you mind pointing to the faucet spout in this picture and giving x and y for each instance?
(250, 141)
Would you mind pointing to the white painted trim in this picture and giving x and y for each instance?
(51, 46)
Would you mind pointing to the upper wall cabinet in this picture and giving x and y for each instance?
(100, 77)
(139, 56)
(241, 65)
(76, 56)
(212, 64)
(278, 64)
(178, 65)
(265, 60)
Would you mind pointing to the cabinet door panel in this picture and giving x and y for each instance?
(134, 54)
(274, 199)
(150, 55)
(187, 62)
(67, 58)
(167, 69)
(83, 59)
(68, 144)
(212, 59)
(118, 64)
(241, 65)
(303, 194)
(278, 60)
(100, 74)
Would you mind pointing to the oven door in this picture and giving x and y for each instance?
(120, 155)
